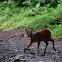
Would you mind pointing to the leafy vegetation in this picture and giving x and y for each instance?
(37, 14)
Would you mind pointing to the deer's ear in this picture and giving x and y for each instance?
(26, 30)
(32, 29)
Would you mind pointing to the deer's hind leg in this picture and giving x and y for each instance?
(38, 46)
(53, 44)
(46, 46)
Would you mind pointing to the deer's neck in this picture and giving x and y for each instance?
(33, 36)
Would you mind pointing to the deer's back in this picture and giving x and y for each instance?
(44, 34)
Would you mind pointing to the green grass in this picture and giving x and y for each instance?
(57, 32)
(36, 18)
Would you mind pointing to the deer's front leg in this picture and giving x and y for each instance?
(28, 46)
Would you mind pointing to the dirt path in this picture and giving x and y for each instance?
(12, 44)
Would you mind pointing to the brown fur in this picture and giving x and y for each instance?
(41, 35)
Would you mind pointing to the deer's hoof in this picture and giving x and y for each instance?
(24, 50)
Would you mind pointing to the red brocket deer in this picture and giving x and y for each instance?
(41, 35)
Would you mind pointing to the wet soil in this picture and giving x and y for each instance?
(12, 44)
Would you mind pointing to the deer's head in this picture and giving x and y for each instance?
(29, 32)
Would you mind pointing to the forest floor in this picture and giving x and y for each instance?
(12, 44)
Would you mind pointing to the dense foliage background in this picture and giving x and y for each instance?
(37, 14)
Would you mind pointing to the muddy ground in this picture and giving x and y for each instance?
(12, 44)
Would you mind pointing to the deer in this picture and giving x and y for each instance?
(41, 35)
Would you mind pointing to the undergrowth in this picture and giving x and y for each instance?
(12, 17)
